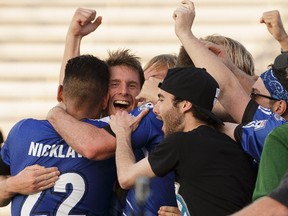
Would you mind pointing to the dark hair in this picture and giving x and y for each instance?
(183, 59)
(197, 113)
(281, 75)
(86, 79)
(125, 57)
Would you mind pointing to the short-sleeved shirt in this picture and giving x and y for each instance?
(257, 123)
(274, 162)
(215, 175)
(85, 186)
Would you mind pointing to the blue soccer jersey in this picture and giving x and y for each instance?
(261, 122)
(84, 187)
(162, 193)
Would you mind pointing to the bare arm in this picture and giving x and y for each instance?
(229, 129)
(231, 90)
(83, 23)
(265, 206)
(273, 22)
(244, 79)
(88, 140)
(30, 180)
(128, 170)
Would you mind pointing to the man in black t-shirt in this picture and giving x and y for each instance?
(214, 176)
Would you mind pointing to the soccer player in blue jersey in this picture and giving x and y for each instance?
(269, 107)
(84, 186)
(126, 80)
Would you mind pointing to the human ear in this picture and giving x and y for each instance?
(186, 105)
(280, 107)
(60, 93)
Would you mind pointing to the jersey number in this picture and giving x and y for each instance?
(65, 207)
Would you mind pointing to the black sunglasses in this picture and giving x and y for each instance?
(255, 94)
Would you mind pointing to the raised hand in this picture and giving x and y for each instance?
(84, 22)
(122, 123)
(184, 17)
(273, 22)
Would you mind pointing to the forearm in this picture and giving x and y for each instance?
(124, 160)
(284, 43)
(72, 49)
(265, 206)
(229, 85)
(88, 140)
(5, 191)
(245, 80)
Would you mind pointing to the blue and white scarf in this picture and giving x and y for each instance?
(272, 84)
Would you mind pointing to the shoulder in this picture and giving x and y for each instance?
(278, 133)
(98, 122)
(30, 126)
(281, 129)
(26, 123)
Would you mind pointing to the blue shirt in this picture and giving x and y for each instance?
(261, 122)
(85, 186)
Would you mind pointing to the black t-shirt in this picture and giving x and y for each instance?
(216, 177)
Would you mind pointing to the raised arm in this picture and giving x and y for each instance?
(232, 97)
(245, 80)
(128, 170)
(88, 140)
(83, 23)
(273, 22)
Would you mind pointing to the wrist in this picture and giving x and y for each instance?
(284, 44)
(10, 187)
(54, 113)
(185, 35)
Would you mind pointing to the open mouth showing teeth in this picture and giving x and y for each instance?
(121, 104)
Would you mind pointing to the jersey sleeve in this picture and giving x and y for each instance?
(149, 132)
(165, 156)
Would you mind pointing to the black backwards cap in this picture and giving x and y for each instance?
(281, 61)
(194, 85)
